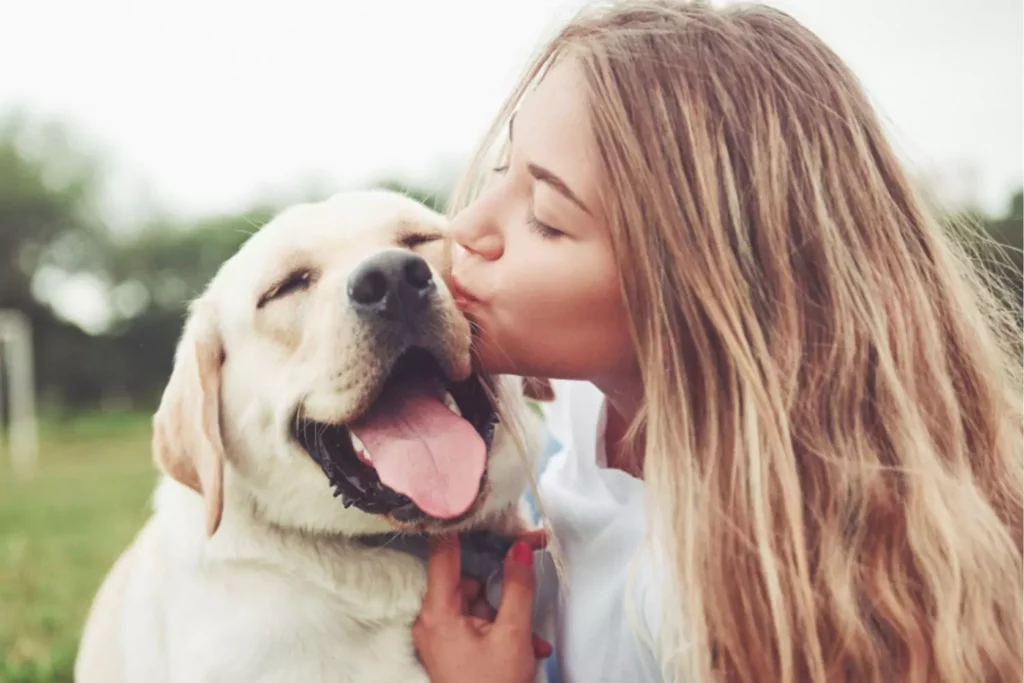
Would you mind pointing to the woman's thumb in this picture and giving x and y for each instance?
(516, 607)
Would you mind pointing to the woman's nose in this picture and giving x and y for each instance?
(476, 234)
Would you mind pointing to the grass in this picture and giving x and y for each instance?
(61, 529)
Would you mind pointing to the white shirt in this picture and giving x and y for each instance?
(597, 514)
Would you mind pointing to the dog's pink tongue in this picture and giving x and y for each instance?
(422, 449)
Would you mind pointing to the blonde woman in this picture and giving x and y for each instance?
(792, 427)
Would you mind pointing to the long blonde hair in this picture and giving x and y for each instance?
(832, 399)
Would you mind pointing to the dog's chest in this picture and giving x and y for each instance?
(260, 624)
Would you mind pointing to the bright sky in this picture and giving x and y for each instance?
(207, 103)
(204, 105)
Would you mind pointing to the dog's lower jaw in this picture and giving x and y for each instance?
(297, 497)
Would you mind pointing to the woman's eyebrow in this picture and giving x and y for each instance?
(545, 176)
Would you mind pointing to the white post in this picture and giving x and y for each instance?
(16, 343)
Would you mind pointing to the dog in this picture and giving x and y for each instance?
(322, 393)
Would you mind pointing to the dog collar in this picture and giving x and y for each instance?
(483, 552)
(483, 558)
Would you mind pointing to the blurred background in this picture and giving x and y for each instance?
(141, 141)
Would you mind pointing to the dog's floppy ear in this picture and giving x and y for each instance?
(538, 389)
(187, 442)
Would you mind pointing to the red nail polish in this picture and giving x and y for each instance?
(522, 554)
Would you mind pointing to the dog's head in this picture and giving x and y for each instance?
(328, 366)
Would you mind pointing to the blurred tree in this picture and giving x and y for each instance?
(154, 276)
(1007, 232)
(49, 217)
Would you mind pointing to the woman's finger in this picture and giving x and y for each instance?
(444, 577)
(516, 608)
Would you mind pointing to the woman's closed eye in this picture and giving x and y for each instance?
(536, 225)
(543, 229)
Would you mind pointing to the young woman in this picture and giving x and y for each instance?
(792, 449)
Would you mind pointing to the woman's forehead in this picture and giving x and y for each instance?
(552, 130)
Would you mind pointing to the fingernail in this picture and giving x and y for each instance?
(542, 647)
(522, 554)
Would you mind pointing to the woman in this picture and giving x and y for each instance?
(795, 452)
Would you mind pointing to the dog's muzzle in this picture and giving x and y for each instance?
(417, 451)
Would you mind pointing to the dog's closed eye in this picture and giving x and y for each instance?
(412, 240)
(295, 281)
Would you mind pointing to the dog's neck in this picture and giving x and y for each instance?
(482, 552)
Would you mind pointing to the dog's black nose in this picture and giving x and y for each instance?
(393, 284)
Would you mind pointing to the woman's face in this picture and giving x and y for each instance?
(536, 271)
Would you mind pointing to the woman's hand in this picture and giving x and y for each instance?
(456, 639)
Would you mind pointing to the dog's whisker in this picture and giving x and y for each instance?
(393, 537)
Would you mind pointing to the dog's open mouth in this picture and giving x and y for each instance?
(419, 450)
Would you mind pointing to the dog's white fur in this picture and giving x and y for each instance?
(247, 570)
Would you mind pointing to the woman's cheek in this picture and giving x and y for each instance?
(527, 288)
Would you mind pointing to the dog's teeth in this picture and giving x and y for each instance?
(451, 404)
(360, 449)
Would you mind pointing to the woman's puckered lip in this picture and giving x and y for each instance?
(463, 299)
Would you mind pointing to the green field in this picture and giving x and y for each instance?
(60, 530)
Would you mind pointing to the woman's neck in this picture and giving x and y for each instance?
(623, 403)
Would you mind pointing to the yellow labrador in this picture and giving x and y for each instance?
(322, 393)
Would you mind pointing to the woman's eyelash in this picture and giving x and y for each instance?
(544, 230)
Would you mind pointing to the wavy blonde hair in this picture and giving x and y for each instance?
(832, 414)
